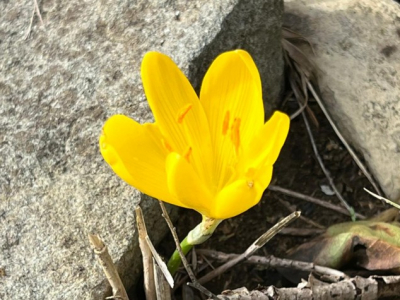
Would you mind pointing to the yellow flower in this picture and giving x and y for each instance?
(212, 153)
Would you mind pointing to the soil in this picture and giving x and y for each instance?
(297, 170)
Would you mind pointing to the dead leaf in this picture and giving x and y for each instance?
(371, 245)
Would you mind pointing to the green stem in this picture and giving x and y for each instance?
(198, 235)
(175, 260)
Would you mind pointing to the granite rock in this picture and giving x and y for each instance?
(57, 87)
(357, 51)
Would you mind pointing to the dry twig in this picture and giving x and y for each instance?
(317, 201)
(383, 199)
(371, 288)
(275, 262)
(303, 74)
(303, 218)
(325, 170)
(260, 242)
(108, 266)
(362, 167)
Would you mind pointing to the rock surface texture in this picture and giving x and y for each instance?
(357, 50)
(57, 87)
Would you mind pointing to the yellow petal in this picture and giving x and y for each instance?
(236, 198)
(136, 154)
(261, 176)
(185, 184)
(266, 145)
(177, 111)
(232, 99)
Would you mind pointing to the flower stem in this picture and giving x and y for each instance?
(175, 260)
(198, 235)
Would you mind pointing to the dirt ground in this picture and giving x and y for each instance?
(297, 170)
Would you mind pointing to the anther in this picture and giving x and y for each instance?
(250, 183)
(188, 153)
(225, 124)
(166, 145)
(235, 134)
(182, 114)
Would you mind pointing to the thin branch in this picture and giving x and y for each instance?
(325, 170)
(177, 243)
(108, 266)
(371, 288)
(300, 109)
(383, 199)
(314, 200)
(349, 149)
(260, 242)
(303, 218)
(275, 262)
(194, 283)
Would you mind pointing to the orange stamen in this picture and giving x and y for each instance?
(235, 134)
(188, 153)
(225, 125)
(184, 112)
(166, 145)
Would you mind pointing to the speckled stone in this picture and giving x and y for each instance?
(57, 87)
(357, 51)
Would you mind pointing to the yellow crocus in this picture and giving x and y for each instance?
(211, 153)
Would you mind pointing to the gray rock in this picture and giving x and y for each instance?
(56, 90)
(357, 45)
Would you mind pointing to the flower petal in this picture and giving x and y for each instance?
(266, 145)
(236, 198)
(177, 111)
(184, 184)
(232, 99)
(136, 154)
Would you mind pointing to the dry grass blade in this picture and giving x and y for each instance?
(383, 199)
(147, 257)
(325, 170)
(296, 60)
(362, 167)
(307, 67)
(108, 266)
(303, 79)
(156, 256)
(162, 290)
(289, 34)
(314, 200)
(305, 219)
(260, 242)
